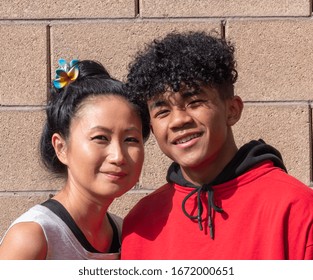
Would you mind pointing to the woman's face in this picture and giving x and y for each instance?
(104, 152)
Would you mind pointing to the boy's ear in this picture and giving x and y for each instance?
(60, 147)
(235, 107)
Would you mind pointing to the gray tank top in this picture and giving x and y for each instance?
(61, 241)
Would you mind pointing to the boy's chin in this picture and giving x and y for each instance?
(188, 164)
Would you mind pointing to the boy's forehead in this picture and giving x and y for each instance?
(170, 96)
(183, 91)
(156, 101)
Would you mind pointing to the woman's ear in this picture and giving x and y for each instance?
(235, 107)
(151, 128)
(60, 147)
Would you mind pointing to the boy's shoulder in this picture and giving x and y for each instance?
(285, 179)
(278, 183)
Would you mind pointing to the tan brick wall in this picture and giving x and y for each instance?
(60, 9)
(275, 62)
(218, 8)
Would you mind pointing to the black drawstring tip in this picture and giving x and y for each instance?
(200, 226)
(211, 233)
(199, 223)
(210, 224)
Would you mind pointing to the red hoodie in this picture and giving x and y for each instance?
(262, 214)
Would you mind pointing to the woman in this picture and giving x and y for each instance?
(94, 137)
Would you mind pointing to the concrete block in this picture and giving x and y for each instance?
(274, 58)
(284, 126)
(21, 169)
(311, 142)
(217, 8)
(56, 9)
(23, 75)
(155, 166)
(113, 43)
(122, 205)
(13, 205)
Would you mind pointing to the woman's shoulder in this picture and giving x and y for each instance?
(24, 240)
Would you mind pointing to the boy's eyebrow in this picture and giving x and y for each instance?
(189, 93)
(156, 104)
(163, 102)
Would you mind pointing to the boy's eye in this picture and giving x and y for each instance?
(196, 102)
(161, 113)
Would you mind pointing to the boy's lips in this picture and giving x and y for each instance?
(185, 138)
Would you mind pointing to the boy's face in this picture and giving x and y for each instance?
(193, 128)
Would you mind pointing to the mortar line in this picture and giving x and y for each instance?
(137, 8)
(22, 108)
(130, 19)
(26, 193)
(223, 29)
(277, 102)
(48, 54)
(311, 143)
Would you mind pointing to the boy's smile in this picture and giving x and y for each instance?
(186, 139)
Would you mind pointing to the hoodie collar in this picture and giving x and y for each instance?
(248, 156)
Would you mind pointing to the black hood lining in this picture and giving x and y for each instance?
(247, 157)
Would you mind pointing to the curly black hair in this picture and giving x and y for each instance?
(190, 58)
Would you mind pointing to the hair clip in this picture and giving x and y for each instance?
(66, 73)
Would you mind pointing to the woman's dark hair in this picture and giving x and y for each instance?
(191, 58)
(93, 80)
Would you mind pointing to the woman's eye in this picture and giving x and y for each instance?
(132, 140)
(99, 137)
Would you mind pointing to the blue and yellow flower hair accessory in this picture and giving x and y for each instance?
(66, 73)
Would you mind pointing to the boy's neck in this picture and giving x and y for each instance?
(208, 171)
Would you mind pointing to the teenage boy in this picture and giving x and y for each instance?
(220, 202)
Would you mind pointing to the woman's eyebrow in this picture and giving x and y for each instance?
(110, 131)
(102, 128)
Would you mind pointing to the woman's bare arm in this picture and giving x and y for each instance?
(24, 241)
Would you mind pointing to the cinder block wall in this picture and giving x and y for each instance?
(275, 61)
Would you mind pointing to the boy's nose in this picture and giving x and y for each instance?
(179, 118)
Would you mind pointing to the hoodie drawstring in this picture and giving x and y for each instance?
(199, 190)
(248, 156)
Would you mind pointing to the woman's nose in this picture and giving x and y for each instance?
(116, 154)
